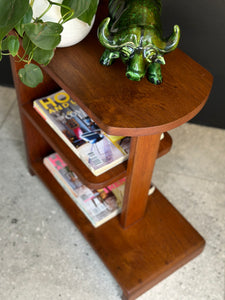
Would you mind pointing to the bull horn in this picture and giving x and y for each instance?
(173, 40)
(109, 41)
(104, 35)
(171, 43)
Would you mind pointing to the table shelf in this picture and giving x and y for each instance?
(85, 175)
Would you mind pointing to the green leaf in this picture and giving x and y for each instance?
(78, 6)
(0, 56)
(28, 46)
(5, 44)
(39, 55)
(31, 75)
(13, 44)
(44, 35)
(88, 15)
(11, 12)
(26, 19)
(43, 57)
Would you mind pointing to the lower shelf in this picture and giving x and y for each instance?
(142, 255)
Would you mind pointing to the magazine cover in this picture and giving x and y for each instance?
(96, 149)
(98, 205)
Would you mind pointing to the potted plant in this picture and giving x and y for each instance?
(38, 30)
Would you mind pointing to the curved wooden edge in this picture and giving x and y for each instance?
(122, 107)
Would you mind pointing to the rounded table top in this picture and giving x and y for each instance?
(128, 108)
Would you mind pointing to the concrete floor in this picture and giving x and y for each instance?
(42, 254)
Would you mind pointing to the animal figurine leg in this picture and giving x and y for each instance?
(154, 74)
(108, 57)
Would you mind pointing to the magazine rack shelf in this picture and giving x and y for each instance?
(86, 176)
(150, 239)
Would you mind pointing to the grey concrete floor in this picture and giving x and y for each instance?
(42, 254)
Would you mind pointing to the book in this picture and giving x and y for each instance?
(98, 205)
(97, 150)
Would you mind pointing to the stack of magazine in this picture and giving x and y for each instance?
(98, 151)
(98, 205)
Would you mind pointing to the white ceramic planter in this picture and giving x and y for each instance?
(74, 30)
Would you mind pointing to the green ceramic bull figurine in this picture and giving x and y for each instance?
(133, 33)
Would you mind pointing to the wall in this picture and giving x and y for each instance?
(202, 24)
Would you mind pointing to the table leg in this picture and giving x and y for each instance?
(143, 153)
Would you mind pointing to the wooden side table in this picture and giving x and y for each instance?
(150, 239)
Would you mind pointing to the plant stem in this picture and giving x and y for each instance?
(70, 12)
(47, 9)
(22, 59)
(67, 16)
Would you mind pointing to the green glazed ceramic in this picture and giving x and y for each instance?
(133, 33)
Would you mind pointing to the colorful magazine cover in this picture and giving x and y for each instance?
(96, 149)
(98, 205)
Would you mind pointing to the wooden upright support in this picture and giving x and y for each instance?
(143, 153)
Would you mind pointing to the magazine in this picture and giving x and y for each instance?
(98, 205)
(98, 151)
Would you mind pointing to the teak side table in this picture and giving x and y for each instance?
(150, 239)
